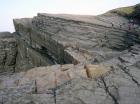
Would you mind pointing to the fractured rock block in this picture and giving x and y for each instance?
(94, 71)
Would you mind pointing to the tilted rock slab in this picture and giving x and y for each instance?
(99, 63)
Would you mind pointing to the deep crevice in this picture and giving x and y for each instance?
(124, 69)
(109, 93)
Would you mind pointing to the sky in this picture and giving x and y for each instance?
(10, 9)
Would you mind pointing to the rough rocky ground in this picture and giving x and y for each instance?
(82, 59)
(113, 82)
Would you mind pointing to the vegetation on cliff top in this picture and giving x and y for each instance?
(131, 11)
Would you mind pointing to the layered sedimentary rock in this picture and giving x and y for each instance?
(97, 61)
(74, 39)
(8, 52)
(116, 81)
(30, 53)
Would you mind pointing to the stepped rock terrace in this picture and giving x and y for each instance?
(70, 59)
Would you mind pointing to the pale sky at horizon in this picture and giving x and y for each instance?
(10, 9)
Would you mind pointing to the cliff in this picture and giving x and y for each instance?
(71, 39)
(8, 52)
(71, 59)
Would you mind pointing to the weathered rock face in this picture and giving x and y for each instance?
(29, 57)
(72, 39)
(30, 54)
(8, 52)
(116, 81)
(41, 82)
(100, 57)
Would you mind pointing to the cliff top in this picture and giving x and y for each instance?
(24, 21)
(131, 11)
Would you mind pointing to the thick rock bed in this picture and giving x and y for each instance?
(70, 59)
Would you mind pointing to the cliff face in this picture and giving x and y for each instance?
(49, 39)
(8, 52)
(30, 54)
(86, 59)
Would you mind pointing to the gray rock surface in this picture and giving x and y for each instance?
(115, 81)
(97, 60)
(8, 52)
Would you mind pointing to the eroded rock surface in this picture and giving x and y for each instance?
(72, 39)
(74, 60)
(115, 81)
(8, 52)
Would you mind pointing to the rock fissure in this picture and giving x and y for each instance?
(126, 71)
(71, 59)
(108, 92)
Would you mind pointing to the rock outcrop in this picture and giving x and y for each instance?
(116, 81)
(8, 52)
(71, 39)
(71, 59)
